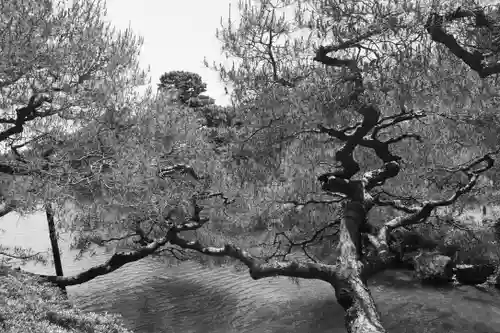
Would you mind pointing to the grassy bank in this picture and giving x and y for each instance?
(30, 305)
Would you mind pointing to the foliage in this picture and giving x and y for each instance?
(467, 244)
(115, 185)
(187, 83)
(111, 170)
(218, 116)
(61, 68)
(285, 96)
(345, 110)
(30, 305)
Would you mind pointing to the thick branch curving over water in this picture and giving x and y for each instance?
(116, 261)
(257, 268)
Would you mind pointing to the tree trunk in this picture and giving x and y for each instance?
(351, 289)
(53, 241)
(361, 313)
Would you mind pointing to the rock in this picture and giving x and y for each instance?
(473, 274)
(496, 278)
(407, 241)
(434, 268)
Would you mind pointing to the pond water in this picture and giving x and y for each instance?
(189, 298)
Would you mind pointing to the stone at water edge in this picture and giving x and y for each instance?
(497, 278)
(474, 274)
(433, 268)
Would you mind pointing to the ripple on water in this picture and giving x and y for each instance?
(189, 298)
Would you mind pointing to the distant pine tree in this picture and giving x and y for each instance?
(188, 84)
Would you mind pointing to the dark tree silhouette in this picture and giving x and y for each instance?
(189, 84)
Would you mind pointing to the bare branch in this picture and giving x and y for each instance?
(334, 184)
(355, 41)
(101, 241)
(455, 225)
(258, 269)
(36, 138)
(180, 169)
(378, 177)
(310, 202)
(10, 255)
(317, 237)
(14, 169)
(208, 195)
(26, 114)
(262, 128)
(422, 214)
(397, 204)
(390, 121)
(117, 260)
(404, 136)
(178, 254)
(321, 56)
(341, 135)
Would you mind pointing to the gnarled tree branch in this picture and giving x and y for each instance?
(434, 26)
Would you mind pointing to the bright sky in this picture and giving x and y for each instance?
(177, 35)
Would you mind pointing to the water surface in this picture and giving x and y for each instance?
(189, 298)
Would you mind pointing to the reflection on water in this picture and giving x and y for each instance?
(187, 298)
